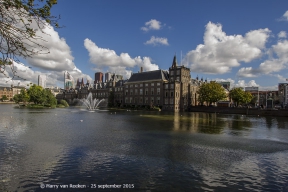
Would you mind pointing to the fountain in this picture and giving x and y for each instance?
(91, 103)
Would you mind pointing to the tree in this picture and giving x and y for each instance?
(4, 97)
(239, 96)
(36, 94)
(49, 98)
(19, 21)
(24, 97)
(211, 92)
(236, 95)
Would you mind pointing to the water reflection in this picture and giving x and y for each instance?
(155, 151)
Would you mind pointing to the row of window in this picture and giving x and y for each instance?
(141, 85)
(135, 100)
(141, 92)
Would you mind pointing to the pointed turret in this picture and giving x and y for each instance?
(174, 64)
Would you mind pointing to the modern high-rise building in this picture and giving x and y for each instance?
(42, 80)
(68, 81)
(98, 77)
(108, 76)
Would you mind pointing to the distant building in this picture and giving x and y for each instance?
(108, 76)
(42, 80)
(225, 84)
(283, 93)
(68, 81)
(98, 77)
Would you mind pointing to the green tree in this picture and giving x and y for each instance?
(24, 96)
(36, 94)
(17, 99)
(239, 96)
(211, 92)
(48, 98)
(247, 97)
(236, 95)
(63, 102)
(20, 19)
(4, 97)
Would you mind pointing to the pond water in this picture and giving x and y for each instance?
(146, 151)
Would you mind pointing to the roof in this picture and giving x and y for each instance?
(149, 76)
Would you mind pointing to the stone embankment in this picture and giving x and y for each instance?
(243, 111)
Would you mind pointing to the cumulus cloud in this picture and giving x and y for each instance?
(239, 83)
(274, 64)
(221, 52)
(153, 24)
(282, 34)
(102, 57)
(157, 41)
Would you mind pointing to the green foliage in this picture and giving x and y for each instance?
(211, 92)
(4, 97)
(49, 98)
(64, 103)
(239, 96)
(36, 94)
(24, 96)
(20, 19)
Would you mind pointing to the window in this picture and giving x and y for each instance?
(126, 92)
(136, 85)
(152, 84)
(177, 78)
(131, 99)
(126, 86)
(178, 72)
(171, 72)
(136, 91)
(158, 100)
(141, 85)
(166, 94)
(166, 101)
(146, 91)
(171, 94)
(166, 86)
(152, 92)
(171, 101)
(172, 86)
(141, 100)
(141, 91)
(131, 92)
(131, 85)
(158, 84)
(146, 84)
(158, 91)
(146, 100)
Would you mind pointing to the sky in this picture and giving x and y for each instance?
(244, 42)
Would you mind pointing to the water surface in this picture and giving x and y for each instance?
(154, 151)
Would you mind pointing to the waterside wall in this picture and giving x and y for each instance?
(244, 111)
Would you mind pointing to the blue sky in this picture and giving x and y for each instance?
(244, 42)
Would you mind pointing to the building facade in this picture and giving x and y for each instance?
(98, 77)
(42, 81)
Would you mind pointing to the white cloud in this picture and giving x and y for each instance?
(221, 52)
(157, 41)
(282, 34)
(102, 57)
(242, 83)
(271, 65)
(153, 24)
(284, 17)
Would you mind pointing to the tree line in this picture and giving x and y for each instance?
(37, 95)
(212, 92)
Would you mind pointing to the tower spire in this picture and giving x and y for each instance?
(174, 64)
